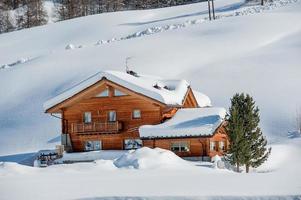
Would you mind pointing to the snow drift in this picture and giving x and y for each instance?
(146, 158)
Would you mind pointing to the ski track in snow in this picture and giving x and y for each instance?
(159, 29)
(241, 12)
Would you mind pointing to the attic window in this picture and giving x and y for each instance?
(118, 93)
(104, 93)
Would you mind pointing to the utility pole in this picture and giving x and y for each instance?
(211, 6)
(213, 10)
(209, 9)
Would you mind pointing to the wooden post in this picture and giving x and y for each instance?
(111, 91)
(63, 122)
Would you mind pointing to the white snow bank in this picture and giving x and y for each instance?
(146, 158)
(91, 155)
(171, 92)
(198, 180)
(69, 47)
(187, 122)
(202, 99)
(14, 168)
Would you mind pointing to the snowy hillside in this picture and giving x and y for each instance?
(253, 49)
(256, 53)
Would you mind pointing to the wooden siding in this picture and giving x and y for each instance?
(100, 106)
(152, 112)
(190, 100)
(95, 89)
(199, 146)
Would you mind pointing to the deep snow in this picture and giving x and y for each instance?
(160, 173)
(257, 53)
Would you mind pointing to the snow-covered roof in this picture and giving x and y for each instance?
(187, 122)
(202, 99)
(170, 92)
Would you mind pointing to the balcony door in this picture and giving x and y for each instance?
(112, 116)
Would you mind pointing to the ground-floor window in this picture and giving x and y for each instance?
(93, 145)
(222, 145)
(212, 146)
(180, 146)
(132, 144)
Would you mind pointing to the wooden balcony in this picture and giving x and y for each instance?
(96, 127)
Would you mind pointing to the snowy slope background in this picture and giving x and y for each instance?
(254, 50)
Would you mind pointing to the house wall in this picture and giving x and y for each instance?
(99, 107)
(220, 135)
(152, 112)
(199, 146)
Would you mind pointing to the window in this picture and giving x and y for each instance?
(87, 117)
(180, 147)
(104, 93)
(212, 146)
(118, 93)
(221, 145)
(112, 116)
(136, 114)
(93, 145)
(132, 144)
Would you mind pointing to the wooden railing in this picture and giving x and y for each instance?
(96, 127)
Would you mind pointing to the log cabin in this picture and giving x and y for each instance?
(114, 110)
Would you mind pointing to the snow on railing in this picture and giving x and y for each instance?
(99, 127)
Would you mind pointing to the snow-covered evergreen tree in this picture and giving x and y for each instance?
(247, 143)
(6, 21)
(32, 13)
(235, 132)
(255, 150)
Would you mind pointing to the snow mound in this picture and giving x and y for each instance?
(91, 155)
(19, 61)
(6, 66)
(147, 158)
(217, 162)
(69, 47)
(14, 168)
(294, 134)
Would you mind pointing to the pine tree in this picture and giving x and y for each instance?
(39, 13)
(255, 151)
(6, 24)
(235, 132)
(247, 143)
(32, 13)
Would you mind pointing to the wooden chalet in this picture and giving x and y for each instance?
(115, 110)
